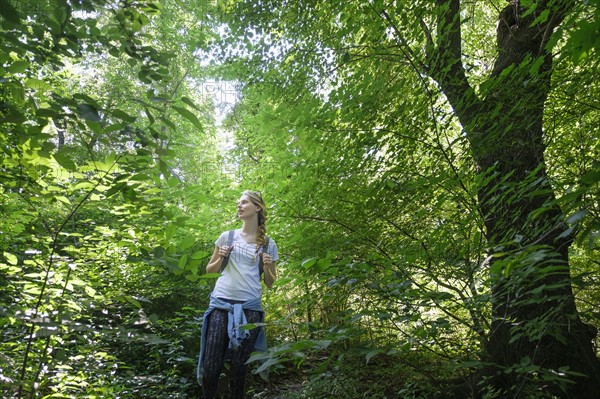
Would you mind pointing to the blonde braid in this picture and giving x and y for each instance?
(262, 231)
(257, 200)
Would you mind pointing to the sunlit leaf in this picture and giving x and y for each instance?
(190, 117)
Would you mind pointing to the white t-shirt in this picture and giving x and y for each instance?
(240, 280)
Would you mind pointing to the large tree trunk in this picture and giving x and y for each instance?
(536, 332)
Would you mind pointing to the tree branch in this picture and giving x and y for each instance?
(445, 63)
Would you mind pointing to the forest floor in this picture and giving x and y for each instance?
(286, 385)
(384, 377)
(280, 390)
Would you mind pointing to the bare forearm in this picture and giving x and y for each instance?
(270, 274)
(214, 265)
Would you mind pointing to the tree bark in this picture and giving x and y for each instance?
(536, 333)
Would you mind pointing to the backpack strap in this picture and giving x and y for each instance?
(263, 248)
(229, 243)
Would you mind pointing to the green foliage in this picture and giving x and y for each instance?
(116, 178)
(93, 220)
(346, 375)
(393, 245)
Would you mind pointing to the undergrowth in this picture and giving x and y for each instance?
(349, 376)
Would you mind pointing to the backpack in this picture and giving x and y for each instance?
(261, 250)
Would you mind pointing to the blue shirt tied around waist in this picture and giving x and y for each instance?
(236, 320)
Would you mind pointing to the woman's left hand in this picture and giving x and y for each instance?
(269, 269)
(267, 259)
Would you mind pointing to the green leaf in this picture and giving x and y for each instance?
(18, 66)
(90, 291)
(265, 365)
(47, 113)
(187, 242)
(190, 117)
(9, 12)
(577, 216)
(591, 177)
(10, 258)
(372, 353)
(189, 102)
(200, 255)
(149, 115)
(169, 123)
(37, 84)
(63, 199)
(192, 277)
(140, 177)
(182, 261)
(309, 262)
(323, 264)
(438, 295)
(473, 364)
(88, 112)
(94, 127)
(65, 161)
(543, 17)
(134, 301)
(123, 116)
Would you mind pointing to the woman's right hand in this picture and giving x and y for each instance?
(217, 259)
(224, 251)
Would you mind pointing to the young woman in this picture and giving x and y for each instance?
(235, 300)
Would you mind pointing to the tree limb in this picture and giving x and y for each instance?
(445, 63)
